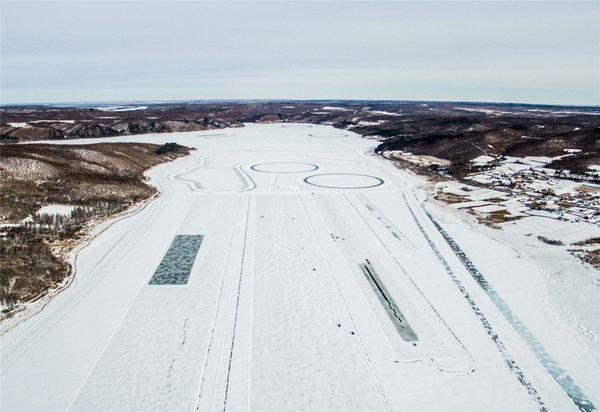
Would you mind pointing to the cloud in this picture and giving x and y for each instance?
(360, 48)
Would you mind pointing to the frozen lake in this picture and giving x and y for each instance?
(285, 267)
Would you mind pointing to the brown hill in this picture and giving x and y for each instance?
(97, 180)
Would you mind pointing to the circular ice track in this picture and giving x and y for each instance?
(344, 181)
(284, 167)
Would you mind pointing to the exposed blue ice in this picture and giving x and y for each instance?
(176, 265)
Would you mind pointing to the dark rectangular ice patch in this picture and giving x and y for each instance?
(397, 318)
(176, 265)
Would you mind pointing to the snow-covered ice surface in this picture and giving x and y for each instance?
(18, 124)
(64, 210)
(56, 210)
(278, 312)
(120, 108)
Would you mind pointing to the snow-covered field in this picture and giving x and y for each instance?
(314, 255)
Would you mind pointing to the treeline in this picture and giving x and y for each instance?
(169, 147)
(98, 180)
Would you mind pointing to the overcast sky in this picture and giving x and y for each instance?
(508, 51)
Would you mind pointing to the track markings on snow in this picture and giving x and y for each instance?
(281, 312)
(438, 346)
(394, 313)
(552, 367)
(71, 403)
(312, 212)
(216, 311)
(509, 361)
(238, 382)
(222, 359)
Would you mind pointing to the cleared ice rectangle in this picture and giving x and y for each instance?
(176, 265)
(397, 318)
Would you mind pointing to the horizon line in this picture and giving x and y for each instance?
(174, 101)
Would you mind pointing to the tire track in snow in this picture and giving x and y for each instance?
(385, 222)
(508, 359)
(362, 346)
(216, 313)
(142, 284)
(251, 310)
(389, 225)
(559, 375)
(237, 305)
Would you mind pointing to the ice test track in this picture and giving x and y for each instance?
(310, 246)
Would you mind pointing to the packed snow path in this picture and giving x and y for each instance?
(308, 277)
